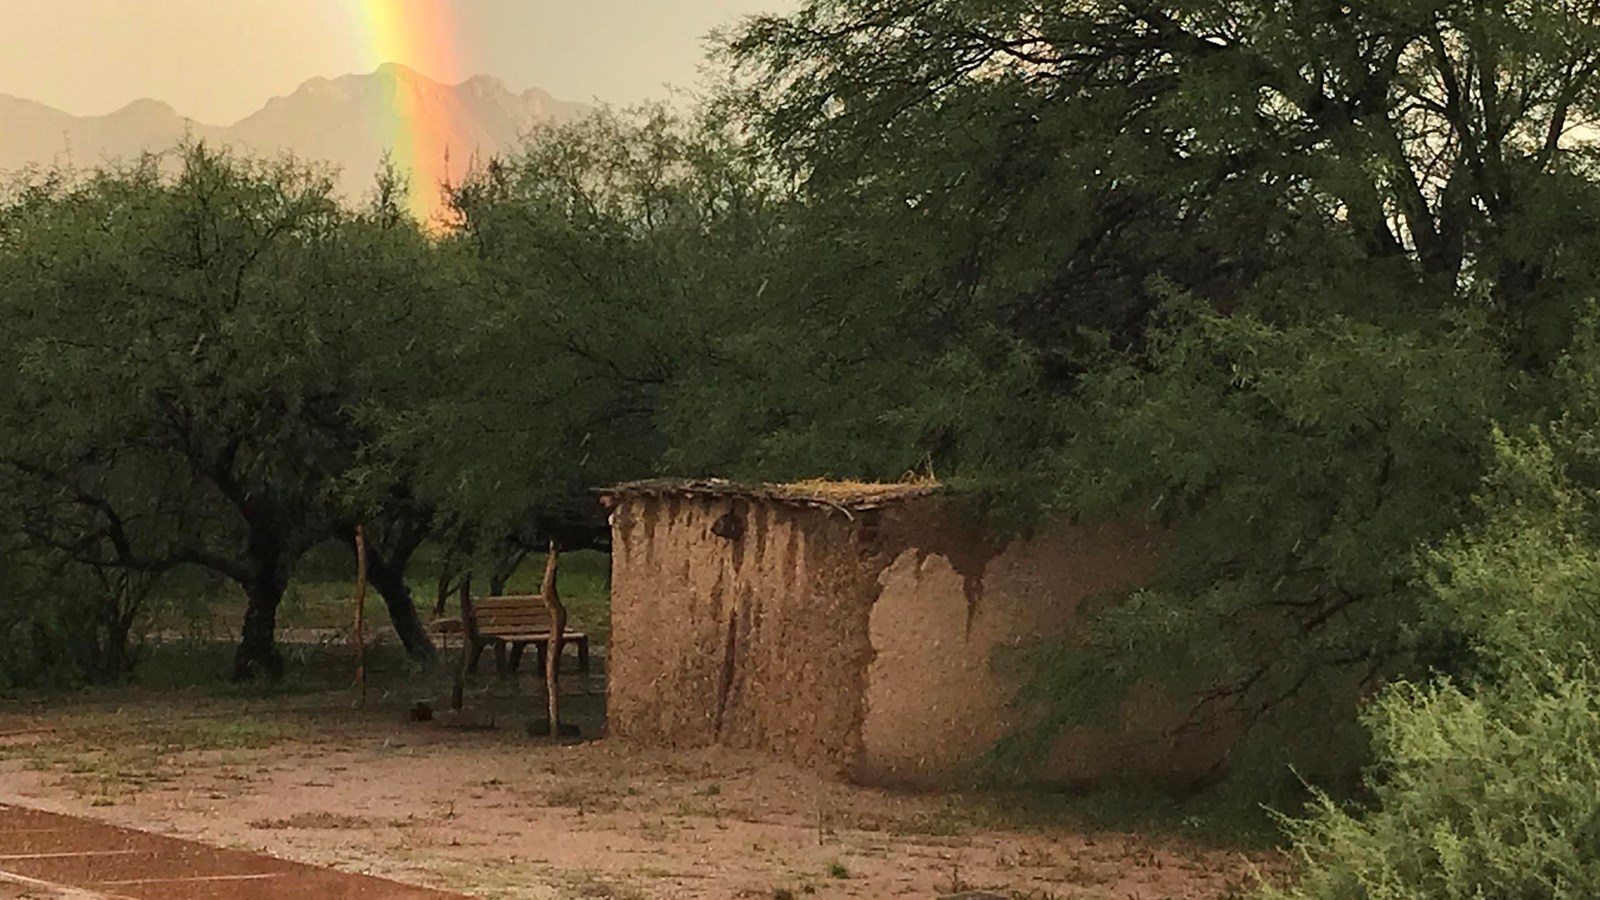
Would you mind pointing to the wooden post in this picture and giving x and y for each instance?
(469, 634)
(361, 603)
(558, 626)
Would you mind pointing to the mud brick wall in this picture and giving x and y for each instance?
(873, 643)
(756, 637)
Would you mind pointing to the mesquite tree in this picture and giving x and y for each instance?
(196, 350)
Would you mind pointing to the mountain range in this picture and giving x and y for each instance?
(349, 122)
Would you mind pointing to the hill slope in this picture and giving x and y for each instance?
(348, 122)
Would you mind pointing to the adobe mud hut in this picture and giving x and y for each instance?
(852, 628)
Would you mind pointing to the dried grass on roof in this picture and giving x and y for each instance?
(853, 491)
(848, 494)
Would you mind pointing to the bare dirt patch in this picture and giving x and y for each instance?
(497, 814)
(11, 891)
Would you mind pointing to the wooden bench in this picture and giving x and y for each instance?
(511, 623)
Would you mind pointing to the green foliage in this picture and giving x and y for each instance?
(1005, 189)
(190, 357)
(1488, 785)
(610, 257)
(164, 327)
(34, 628)
(1521, 585)
(62, 625)
(1297, 469)
(1379, 227)
(1484, 797)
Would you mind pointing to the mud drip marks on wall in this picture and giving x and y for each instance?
(861, 644)
(965, 546)
(791, 562)
(729, 526)
(768, 652)
(730, 651)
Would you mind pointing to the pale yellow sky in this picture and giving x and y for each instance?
(219, 60)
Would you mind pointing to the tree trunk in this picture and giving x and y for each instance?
(469, 637)
(122, 599)
(447, 573)
(119, 652)
(258, 650)
(389, 580)
(504, 568)
(388, 553)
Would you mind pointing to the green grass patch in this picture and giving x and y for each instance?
(1218, 818)
(107, 753)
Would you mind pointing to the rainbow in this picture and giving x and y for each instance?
(421, 35)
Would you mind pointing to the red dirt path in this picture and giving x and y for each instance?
(79, 858)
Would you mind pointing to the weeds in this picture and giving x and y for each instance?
(315, 821)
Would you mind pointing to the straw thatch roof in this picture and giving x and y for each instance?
(848, 495)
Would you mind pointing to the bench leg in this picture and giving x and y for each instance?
(474, 658)
(501, 667)
(583, 655)
(516, 655)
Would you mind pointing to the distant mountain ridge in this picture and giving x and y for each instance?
(348, 122)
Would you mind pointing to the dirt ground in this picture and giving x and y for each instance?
(498, 814)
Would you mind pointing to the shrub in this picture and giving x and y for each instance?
(66, 627)
(1487, 784)
(1479, 798)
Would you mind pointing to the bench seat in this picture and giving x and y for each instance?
(511, 623)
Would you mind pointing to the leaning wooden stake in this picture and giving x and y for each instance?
(361, 603)
(558, 626)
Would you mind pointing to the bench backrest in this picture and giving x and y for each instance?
(512, 615)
